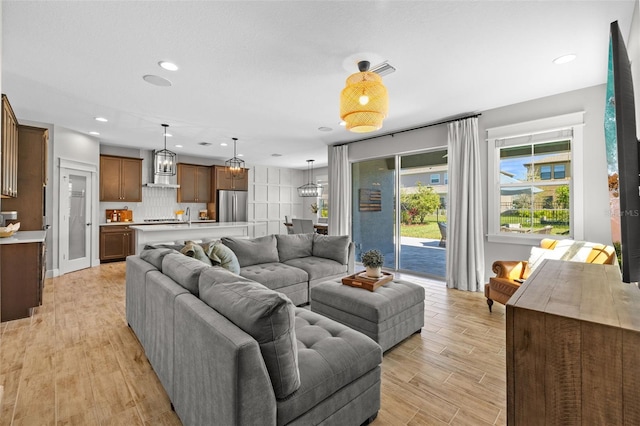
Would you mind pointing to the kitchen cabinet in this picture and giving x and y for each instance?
(195, 183)
(120, 178)
(116, 242)
(9, 151)
(223, 180)
(23, 273)
(32, 178)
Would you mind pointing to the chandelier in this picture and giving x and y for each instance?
(364, 102)
(310, 189)
(165, 160)
(234, 167)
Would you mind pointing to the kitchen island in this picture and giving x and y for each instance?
(170, 233)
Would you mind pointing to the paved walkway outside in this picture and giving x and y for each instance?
(423, 256)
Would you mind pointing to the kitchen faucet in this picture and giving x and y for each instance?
(188, 213)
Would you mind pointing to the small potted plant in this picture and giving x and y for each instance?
(373, 261)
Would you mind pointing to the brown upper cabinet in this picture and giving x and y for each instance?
(222, 180)
(9, 178)
(195, 183)
(32, 178)
(120, 178)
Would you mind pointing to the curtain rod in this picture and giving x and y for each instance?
(413, 128)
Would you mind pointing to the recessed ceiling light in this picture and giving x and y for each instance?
(94, 133)
(169, 66)
(240, 155)
(343, 123)
(564, 59)
(223, 144)
(178, 146)
(169, 135)
(276, 155)
(325, 129)
(102, 119)
(156, 80)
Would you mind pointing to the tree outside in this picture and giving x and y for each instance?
(420, 212)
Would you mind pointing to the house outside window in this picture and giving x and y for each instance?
(534, 193)
(434, 179)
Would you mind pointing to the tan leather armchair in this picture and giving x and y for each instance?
(510, 274)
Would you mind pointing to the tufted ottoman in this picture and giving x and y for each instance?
(388, 315)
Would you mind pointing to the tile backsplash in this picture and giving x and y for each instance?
(157, 203)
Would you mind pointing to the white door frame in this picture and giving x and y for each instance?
(66, 166)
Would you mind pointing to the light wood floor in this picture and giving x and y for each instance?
(75, 361)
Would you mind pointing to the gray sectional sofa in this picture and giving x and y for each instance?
(293, 264)
(230, 351)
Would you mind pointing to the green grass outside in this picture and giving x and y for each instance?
(427, 230)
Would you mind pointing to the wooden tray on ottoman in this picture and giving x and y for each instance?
(360, 280)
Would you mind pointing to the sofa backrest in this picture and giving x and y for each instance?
(294, 246)
(184, 270)
(253, 251)
(264, 314)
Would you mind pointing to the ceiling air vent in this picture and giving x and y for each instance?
(383, 69)
(204, 143)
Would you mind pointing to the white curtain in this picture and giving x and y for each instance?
(339, 190)
(465, 248)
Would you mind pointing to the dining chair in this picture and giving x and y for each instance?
(302, 226)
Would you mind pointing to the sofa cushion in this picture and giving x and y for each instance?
(266, 315)
(318, 267)
(219, 254)
(155, 255)
(335, 247)
(330, 356)
(196, 251)
(184, 270)
(274, 275)
(294, 246)
(253, 251)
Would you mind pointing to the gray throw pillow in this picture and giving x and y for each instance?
(219, 254)
(254, 251)
(264, 314)
(194, 250)
(294, 246)
(334, 247)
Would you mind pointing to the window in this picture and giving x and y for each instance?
(446, 178)
(435, 179)
(545, 172)
(532, 167)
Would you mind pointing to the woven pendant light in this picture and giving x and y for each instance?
(364, 102)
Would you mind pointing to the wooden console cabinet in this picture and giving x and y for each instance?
(116, 242)
(573, 347)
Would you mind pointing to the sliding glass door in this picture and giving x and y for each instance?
(374, 208)
(399, 208)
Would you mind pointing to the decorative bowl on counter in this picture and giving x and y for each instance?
(8, 231)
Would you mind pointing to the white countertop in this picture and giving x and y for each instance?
(133, 223)
(25, 237)
(185, 226)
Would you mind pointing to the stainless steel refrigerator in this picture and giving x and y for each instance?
(232, 206)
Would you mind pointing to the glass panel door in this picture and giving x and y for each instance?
(423, 215)
(373, 207)
(75, 220)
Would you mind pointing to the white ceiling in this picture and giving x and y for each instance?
(270, 72)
